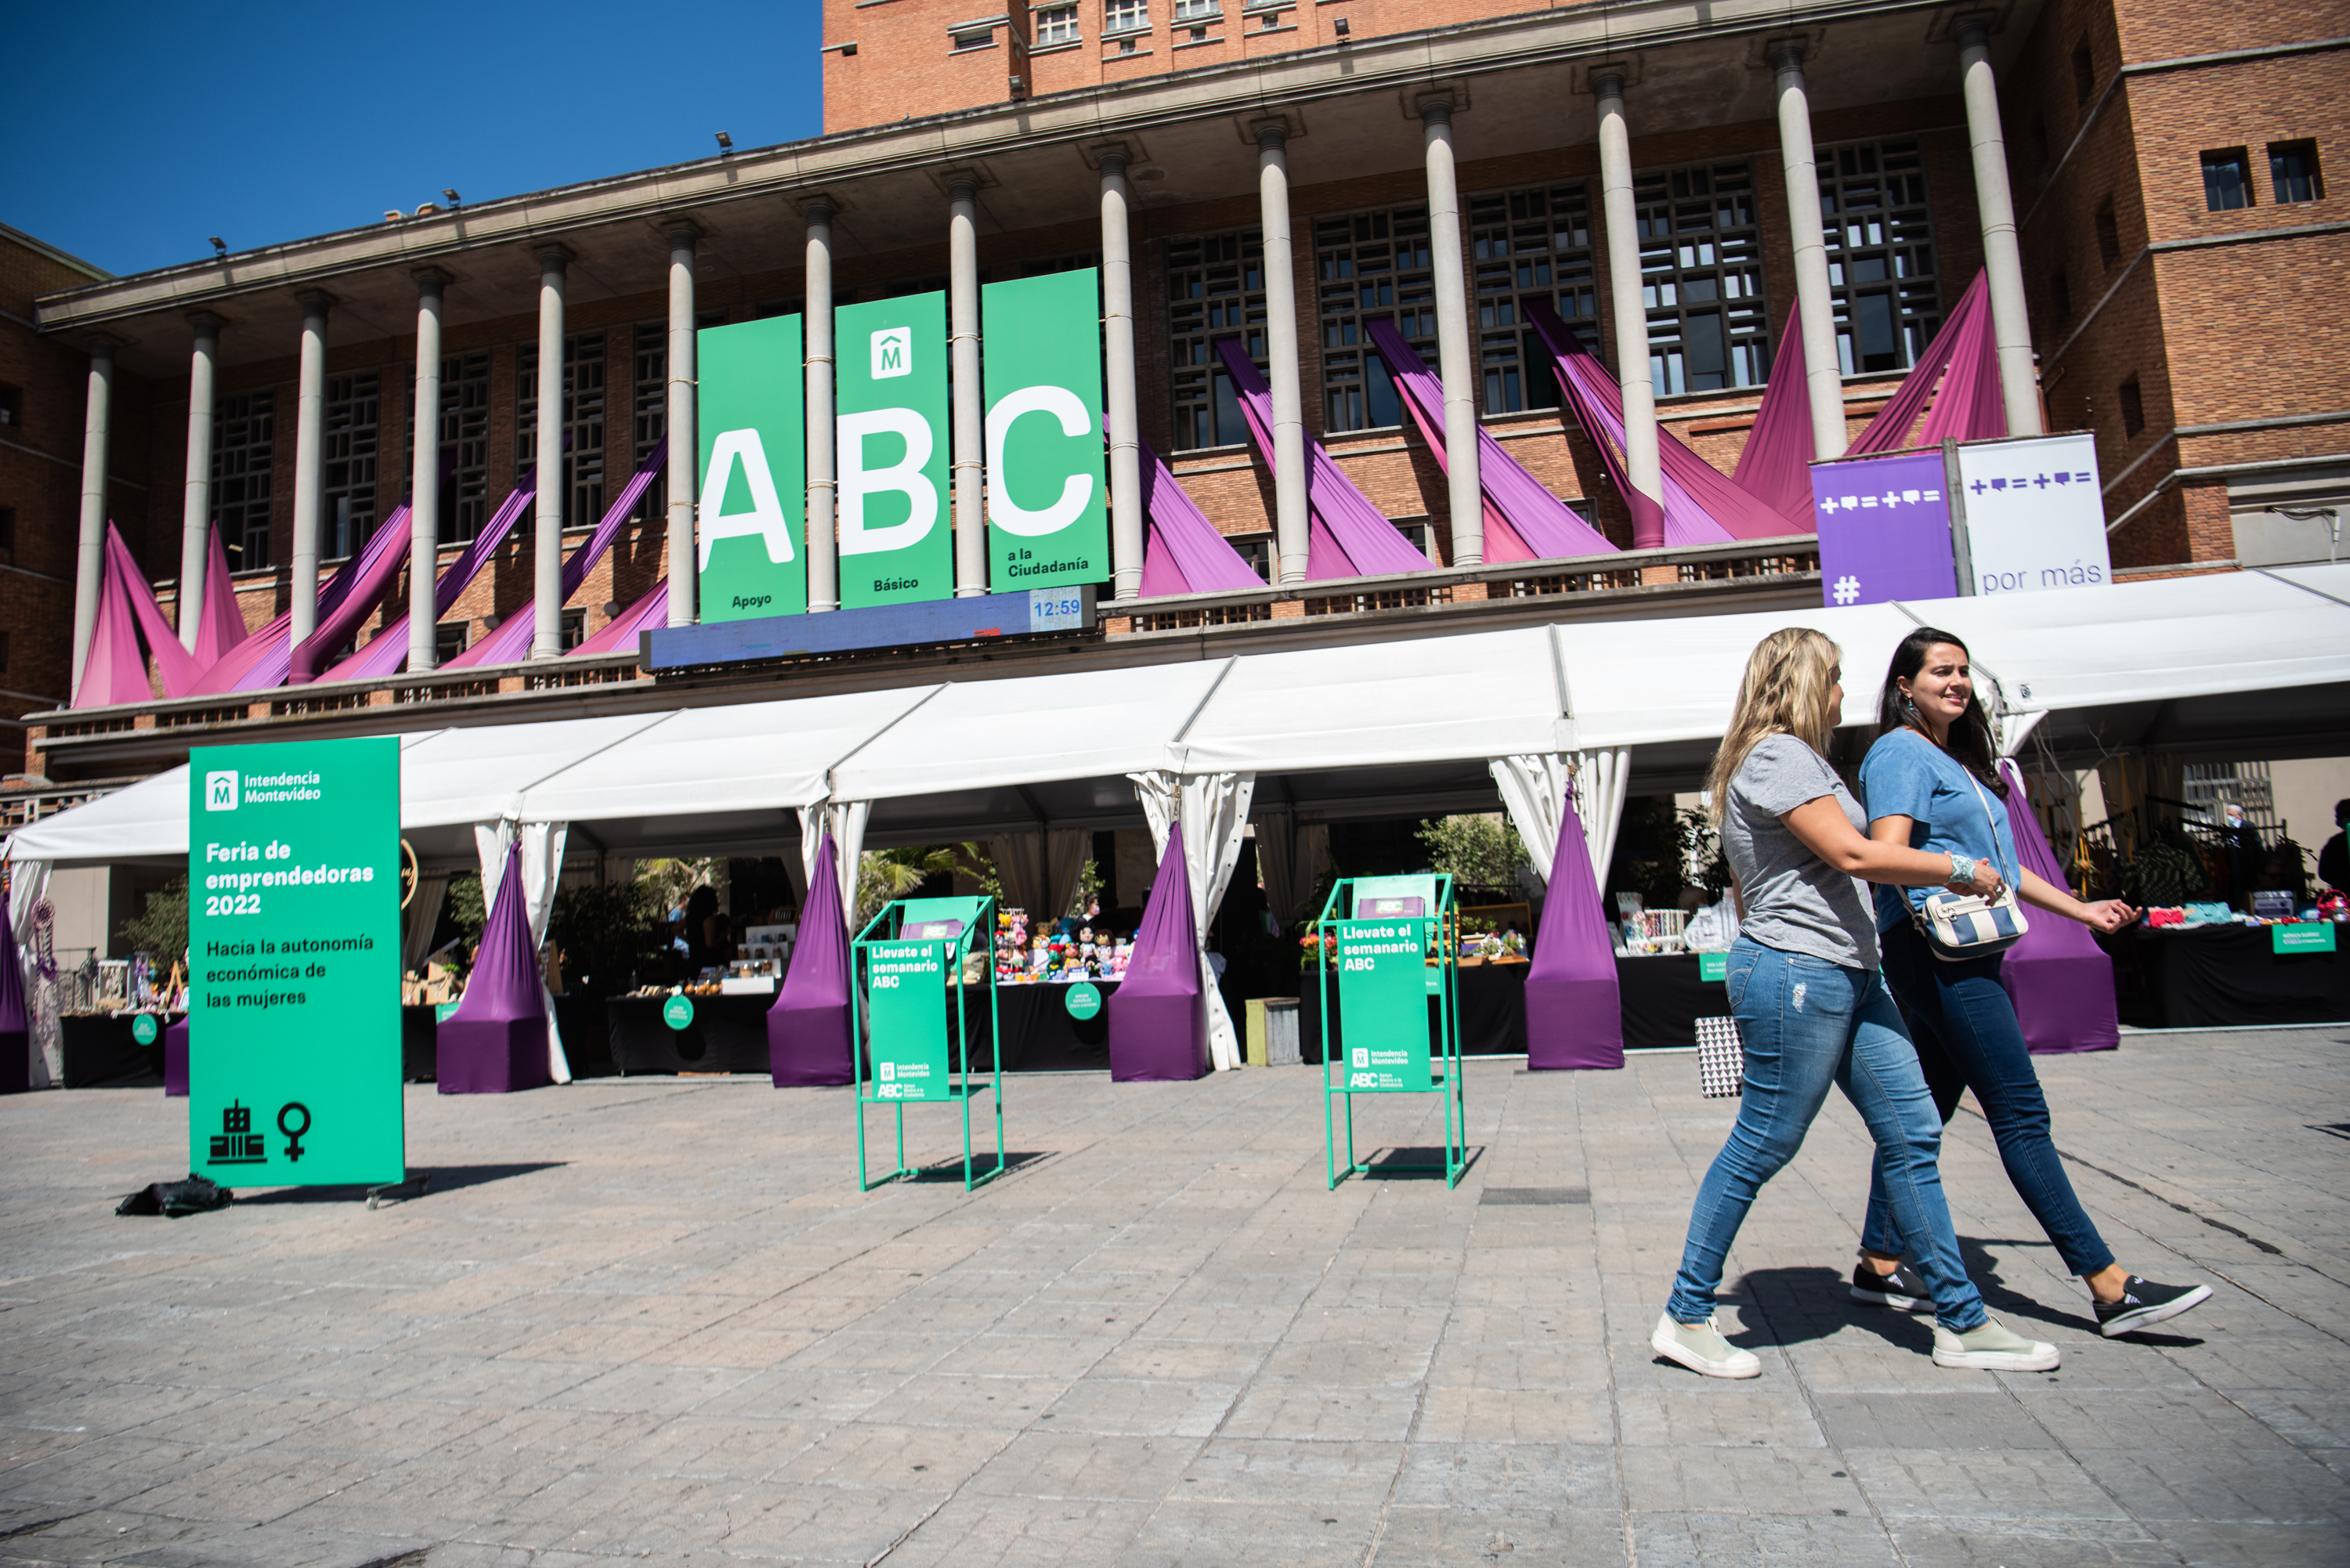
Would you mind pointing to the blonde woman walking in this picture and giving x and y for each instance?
(1813, 1012)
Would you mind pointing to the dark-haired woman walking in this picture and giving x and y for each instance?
(1931, 782)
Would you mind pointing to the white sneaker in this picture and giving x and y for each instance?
(1700, 1347)
(1991, 1348)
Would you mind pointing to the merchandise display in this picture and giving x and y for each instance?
(1051, 957)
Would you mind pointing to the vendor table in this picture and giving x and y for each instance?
(1039, 1035)
(99, 1052)
(2215, 976)
(1663, 998)
(728, 1034)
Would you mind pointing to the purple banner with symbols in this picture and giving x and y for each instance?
(1885, 529)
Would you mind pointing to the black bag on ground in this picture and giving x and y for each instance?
(193, 1195)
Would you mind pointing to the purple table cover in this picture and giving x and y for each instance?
(16, 1040)
(495, 1042)
(1575, 1011)
(1158, 1018)
(175, 1061)
(2061, 981)
(808, 1029)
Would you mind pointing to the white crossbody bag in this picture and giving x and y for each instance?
(1960, 926)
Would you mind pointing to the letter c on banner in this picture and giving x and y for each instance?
(766, 518)
(1075, 420)
(905, 477)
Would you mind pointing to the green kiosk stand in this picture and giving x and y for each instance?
(1381, 1038)
(907, 988)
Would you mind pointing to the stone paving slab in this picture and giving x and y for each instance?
(652, 1320)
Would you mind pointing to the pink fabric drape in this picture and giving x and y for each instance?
(222, 626)
(1775, 467)
(176, 665)
(808, 1041)
(378, 570)
(495, 1042)
(2061, 981)
(621, 632)
(1966, 418)
(1157, 1015)
(387, 650)
(1530, 517)
(1575, 1010)
(263, 658)
(511, 640)
(1182, 552)
(115, 668)
(1346, 536)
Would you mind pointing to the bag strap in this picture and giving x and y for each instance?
(1992, 823)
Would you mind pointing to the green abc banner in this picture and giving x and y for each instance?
(906, 1002)
(1048, 504)
(891, 432)
(752, 408)
(1383, 1005)
(294, 1070)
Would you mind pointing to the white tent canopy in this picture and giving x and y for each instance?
(2230, 651)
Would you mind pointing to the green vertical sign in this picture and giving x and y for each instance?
(293, 1069)
(1383, 1004)
(751, 404)
(906, 998)
(1048, 504)
(897, 540)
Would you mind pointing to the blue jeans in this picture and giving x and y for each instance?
(1807, 1023)
(1964, 1025)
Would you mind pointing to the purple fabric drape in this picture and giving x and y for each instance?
(2059, 980)
(1532, 518)
(114, 671)
(174, 665)
(15, 1039)
(1701, 504)
(263, 658)
(1184, 553)
(511, 640)
(175, 1061)
(1967, 405)
(1775, 467)
(808, 1041)
(387, 650)
(495, 1042)
(1574, 1009)
(1889, 431)
(1346, 536)
(620, 631)
(221, 626)
(379, 568)
(1158, 1017)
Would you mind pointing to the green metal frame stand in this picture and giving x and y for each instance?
(928, 942)
(1377, 1039)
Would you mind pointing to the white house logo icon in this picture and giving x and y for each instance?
(893, 353)
(220, 791)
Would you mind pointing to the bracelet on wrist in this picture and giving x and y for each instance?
(1962, 867)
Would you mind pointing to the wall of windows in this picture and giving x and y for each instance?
(1880, 245)
(244, 446)
(1701, 278)
(347, 505)
(1370, 266)
(464, 446)
(648, 413)
(1215, 289)
(583, 422)
(1527, 245)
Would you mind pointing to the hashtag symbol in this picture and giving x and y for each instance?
(1846, 589)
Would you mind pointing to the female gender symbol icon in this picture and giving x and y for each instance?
(293, 1135)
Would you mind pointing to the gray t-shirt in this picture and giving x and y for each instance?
(1796, 901)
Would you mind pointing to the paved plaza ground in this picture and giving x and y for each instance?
(653, 1319)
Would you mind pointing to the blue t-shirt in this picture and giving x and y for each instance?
(1905, 774)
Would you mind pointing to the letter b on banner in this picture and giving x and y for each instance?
(1047, 516)
(753, 470)
(895, 545)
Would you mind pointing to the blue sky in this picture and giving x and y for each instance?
(135, 131)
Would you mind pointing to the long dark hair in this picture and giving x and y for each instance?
(1971, 743)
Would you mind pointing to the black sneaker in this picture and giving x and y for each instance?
(1901, 1290)
(2144, 1304)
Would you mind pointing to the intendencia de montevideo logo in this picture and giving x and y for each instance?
(225, 790)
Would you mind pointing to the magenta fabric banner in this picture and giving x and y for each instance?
(1889, 431)
(263, 658)
(1184, 552)
(620, 631)
(1775, 467)
(512, 639)
(387, 650)
(2061, 981)
(1574, 1007)
(1885, 529)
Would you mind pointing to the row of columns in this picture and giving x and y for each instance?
(1455, 346)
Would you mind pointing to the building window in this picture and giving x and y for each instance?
(1125, 16)
(583, 422)
(465, 438)
(1371, 266)
(1056, 25)
(12, 406)
(1523, 245)
(2060, 294)
(2292, 171)
(649, 415)
(347, 503)
(244, 446)
(7, 530)
(2109, 235)
(4, 649)
(971, 38)
(1192, 11)
(1215, 289)
(1256, 549)
(574, 628)
(2133, 407)
(2227, 180)
(1880, 244)
(2084, 75)
(1701, 278)
(448, 640)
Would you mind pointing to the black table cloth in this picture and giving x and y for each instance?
(2212, 976)
(728, 1034)
(99, 1051)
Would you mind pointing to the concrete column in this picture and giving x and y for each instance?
(89, 553)
(424, 477)
(2010, 325)
(1455, 361)
(681, 475)
(823, 474)
(962, 340)
(1290, 477)
(1128, 526)
(547, 630)
(196, 509)
(310, 438)
(1814, 307)
(1621, 222)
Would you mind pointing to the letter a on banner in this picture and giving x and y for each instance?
(753, 470)
(1047, 513)
(896, 546)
